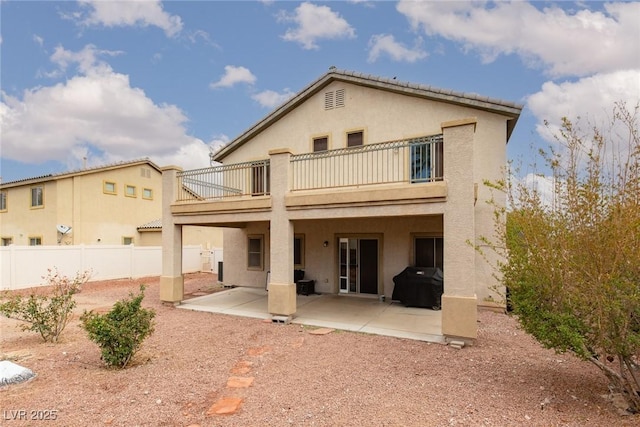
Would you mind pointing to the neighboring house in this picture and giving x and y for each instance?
(352, 180)
(100, 205)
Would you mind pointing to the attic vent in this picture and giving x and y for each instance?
(328, 100)
(340, 98)
(145, 173)
(334, 99)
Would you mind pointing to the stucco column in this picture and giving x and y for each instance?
(171, 281)
(282, 289)
(459, 302)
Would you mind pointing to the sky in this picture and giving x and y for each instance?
(94, 82)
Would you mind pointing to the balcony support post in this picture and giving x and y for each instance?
(171, 280)
(459, 302)
(282, 289)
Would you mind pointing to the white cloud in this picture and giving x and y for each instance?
(96, 114)
(591, 98)
(141, 13)
(315, 23)
(581, 43)
(380, 44)
(271, 99)
(39, 40)
(233, 75)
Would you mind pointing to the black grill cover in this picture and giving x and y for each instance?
(419, 287)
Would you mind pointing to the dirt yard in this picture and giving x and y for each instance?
(197, 366)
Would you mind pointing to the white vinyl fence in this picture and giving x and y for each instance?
(24, 266)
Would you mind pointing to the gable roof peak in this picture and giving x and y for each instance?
(471, 100)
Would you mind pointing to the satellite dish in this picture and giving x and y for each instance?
(63, 229)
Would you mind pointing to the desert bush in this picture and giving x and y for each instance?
(46, 314)
(572, 260)
(120, 332)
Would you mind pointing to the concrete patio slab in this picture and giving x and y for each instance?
(350, 313)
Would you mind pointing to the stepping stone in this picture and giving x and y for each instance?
(321, 331)
(242, 367)
(225, 406)
(258, 351)
(240, 382)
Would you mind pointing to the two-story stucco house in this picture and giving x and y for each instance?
(352, 180)
(114, 204)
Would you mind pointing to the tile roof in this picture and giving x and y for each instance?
(54, 176)
(151, 225)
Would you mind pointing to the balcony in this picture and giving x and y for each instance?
(388, 171)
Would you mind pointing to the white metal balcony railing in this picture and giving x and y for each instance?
(412, 161)
(239, 179)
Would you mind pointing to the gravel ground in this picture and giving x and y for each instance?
(299, 379)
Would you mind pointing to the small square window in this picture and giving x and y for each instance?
(354, 139)
(147, 193)
(37, 196)
(320, 144)
(255, 252)
(127, 240)
(3, 200)
(130, 190)
(6, 241)
(35, 241)
(109, 187)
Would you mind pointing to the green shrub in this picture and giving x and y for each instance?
(120, 332)
(47, 315)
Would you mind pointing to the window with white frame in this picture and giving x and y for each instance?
(37, 196)
(3, 200)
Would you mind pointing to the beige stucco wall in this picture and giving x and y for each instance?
(78, 201)
(395, 238)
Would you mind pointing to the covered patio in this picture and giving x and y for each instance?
(350, 313)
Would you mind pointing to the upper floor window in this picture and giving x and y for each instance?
(355, 139)
(109, 187)
(320, 144)
(3, 200)
(35, 241)
(147, 193)
(37, 196)
(130, 190)
(6, 241)
(126, 240)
